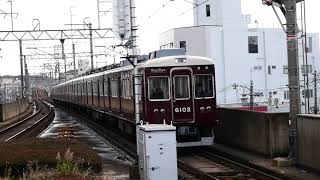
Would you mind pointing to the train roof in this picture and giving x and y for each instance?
(92, 76)
(183, 60)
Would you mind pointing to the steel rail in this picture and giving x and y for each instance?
(10, 127)
(19, 134)
(210, 155)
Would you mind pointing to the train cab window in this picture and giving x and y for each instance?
(181, 87)
(203, 86)
(158, 88)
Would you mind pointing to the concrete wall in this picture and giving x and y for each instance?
(262, 133)
(11, 110)
(308, 141)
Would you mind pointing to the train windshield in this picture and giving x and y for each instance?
(203, 86)
(181, 87)
(159, 88)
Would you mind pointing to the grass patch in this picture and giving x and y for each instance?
(64, 155)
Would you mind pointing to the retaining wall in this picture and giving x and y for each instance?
(258, 132)
(13, 109)
(308, 141)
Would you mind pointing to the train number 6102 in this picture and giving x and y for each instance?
(182, 109)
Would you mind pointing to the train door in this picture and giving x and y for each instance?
(182, 100)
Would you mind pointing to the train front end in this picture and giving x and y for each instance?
(181, 90)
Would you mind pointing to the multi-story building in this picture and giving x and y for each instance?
(243, 54)
(9, 88)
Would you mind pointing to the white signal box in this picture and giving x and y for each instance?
(157, 152)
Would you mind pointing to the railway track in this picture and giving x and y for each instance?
(193, 163)
(201, 163)
(124, 143)
(30, 126)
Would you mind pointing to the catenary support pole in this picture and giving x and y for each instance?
(74, 61)
(91, 45)
(64, 59)
(137, 78)
(98, 8)
(293, 72)
(21, 68)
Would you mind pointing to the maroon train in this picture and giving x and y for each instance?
(175, 89)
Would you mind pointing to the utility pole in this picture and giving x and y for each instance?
(315, 93)
(251, 95)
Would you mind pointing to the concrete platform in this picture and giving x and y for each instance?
(114, 164)
(262, 162)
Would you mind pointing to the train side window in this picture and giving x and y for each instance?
(106, 87)
(181, 87)
(95, 87)
(158, 88)
(204, 86)
(114, 87)
(89, 89)
(101, 93)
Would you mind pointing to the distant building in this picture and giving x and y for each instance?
(9, 88)
(84, 66)
(242, 54)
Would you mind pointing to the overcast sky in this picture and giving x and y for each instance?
(153, 16)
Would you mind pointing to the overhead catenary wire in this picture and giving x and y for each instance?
(195, 6)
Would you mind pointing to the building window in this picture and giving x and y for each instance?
(274, 67)
(257, 68)
(167, 46)
(306, 69)
(253, 44)
(274, 93)
(307, 93)
(270, 94)
(269, 70)
(183, 45)
(285, 69)
(208, 10)
(309, 47)
(286, 95)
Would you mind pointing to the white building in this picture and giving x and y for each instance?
(242, 54)
(10, 88)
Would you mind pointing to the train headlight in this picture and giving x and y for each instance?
(202, 109)
(156, 110)
(163, 111)
(209, 108)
